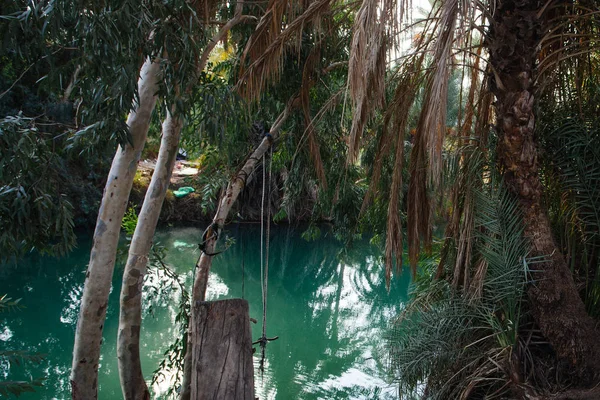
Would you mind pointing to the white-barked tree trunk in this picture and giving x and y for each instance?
(98, 278)
(130, 318)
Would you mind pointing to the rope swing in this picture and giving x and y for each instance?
(264, 259)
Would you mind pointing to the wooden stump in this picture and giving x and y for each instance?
(222, 365)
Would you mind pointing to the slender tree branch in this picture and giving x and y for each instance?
(16, 81)
(71, 85)
(237, 18)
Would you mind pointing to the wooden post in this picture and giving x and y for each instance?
(222, 366)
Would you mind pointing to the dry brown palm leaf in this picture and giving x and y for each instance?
(450, 233)
(479, 274)
(410, 80)
(403, 100)
(569, 47)
(462, 225)
(419, 205)
(486, 113)
(432, 122)
(308, 81)
(464, 249)
(426, 157)
(366, 73)
(467, 124)
(457, 238)
(394, 131)
(393, 243)
(268, 28)
(266, 48)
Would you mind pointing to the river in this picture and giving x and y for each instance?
(328, 306)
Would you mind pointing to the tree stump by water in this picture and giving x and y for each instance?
(222, 365)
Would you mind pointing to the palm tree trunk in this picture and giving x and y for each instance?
(553, 296)
(88, 336)
(130, 319)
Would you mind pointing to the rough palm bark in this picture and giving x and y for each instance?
(557, 308)
(98, 278)
(130, 318)
(212, 233)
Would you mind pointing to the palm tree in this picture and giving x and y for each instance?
(523, 43)
(508, 48)
(516, 31)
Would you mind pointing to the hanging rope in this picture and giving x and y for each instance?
(262, 340)
(243, 266)
(264, 259)
(264, 333)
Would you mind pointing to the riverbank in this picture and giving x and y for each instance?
(200, 205)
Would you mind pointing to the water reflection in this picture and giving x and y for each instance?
(328, 306)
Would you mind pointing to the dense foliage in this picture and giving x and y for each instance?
(372, 145)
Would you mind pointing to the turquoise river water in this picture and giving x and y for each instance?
(329, 307)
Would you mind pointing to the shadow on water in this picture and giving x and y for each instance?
(329, 307)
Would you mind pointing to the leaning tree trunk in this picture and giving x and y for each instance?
(88, 336)
(130, 318)
(553, 296)
(211, 236)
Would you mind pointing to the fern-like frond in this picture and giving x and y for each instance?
(499, 231)
(461, 346)
(575, 149)
(572, 171)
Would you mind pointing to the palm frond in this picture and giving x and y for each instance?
(419, 202)
(366, 72)
(575, 148)
(394, 129)
(432, 122)
(265, 49)
(19, 357)
(17, 388)
(572, 172)
(308, 81)
(500, 242)
(454, 345)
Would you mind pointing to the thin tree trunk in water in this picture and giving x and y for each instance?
(555, 302)
(88, 336)
(130, 319)
(212, 233)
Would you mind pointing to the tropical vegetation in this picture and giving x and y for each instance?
(481, 117)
